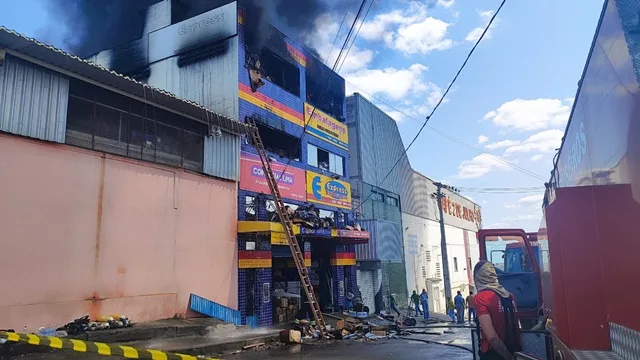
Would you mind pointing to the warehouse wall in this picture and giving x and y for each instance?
(89, 233)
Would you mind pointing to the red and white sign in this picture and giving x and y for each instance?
(291, 184)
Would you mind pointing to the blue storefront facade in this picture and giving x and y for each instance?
(307, 143)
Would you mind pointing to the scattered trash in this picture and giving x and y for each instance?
(84, 324)
(252, 346)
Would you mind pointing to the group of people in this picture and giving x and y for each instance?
(422, 299)
(461, 304)
(493, 308)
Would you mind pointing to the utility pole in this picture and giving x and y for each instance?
(443, 243)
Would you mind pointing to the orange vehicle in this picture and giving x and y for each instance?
(583, 275)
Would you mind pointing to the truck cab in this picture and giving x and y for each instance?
(516, 256)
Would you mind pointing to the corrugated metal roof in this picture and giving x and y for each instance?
(32, 48)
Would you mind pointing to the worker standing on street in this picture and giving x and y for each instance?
(497, 315)
(424, 299)
(458, 301)
(394, 305)
(415, 299)
(471, 306)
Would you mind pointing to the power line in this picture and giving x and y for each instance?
(452, 138)
(455, 78)
(327, 83)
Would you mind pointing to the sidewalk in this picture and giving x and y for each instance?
(202, 336)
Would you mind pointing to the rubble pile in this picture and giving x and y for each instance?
(346, 328)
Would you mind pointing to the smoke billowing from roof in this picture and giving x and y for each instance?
(97, 25)
(93, 25)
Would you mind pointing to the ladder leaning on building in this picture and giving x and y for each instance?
(287, 224)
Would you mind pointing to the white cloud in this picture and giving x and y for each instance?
(502, 144)
(528, 115)
(396, 83)
(475, 34)
(322, 39)
(446, 3)
(537, 157)
(423, 37)
(531, 199)
(545, 142)
(482, 139)
(410, 31)
(480, 166)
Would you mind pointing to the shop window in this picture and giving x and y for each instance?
(325, 160)
(280, 72)
(392, 201)
(455, 264)
(105, 121)
(279, 142)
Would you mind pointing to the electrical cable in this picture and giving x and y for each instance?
(436, 342)
(344, 46)
(455, 78)
(452, 138)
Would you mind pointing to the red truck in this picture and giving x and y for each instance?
(584, 273)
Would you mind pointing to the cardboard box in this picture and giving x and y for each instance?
(290, 336)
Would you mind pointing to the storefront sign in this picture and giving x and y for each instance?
(354, 234)
(290, 184)
(325, 127)
(325, 190)
(197, 31)
(454, 209)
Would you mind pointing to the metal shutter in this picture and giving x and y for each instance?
(366, 285)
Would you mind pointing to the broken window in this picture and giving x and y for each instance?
(325, 160)
(280, 143)
(325, 89)
(271, 209)
(102, 120)
(280, 72)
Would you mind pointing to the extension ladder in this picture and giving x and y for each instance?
(287, 224)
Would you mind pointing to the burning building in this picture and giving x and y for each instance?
(228, 57)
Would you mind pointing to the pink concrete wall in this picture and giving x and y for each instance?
(83, 233)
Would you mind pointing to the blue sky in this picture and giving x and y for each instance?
(509, 106)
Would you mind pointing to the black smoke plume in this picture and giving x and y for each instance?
(93, 25)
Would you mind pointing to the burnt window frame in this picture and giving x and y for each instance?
(132, 138)
(295, 88)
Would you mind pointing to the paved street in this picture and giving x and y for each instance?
(397, 349)
(387, 349)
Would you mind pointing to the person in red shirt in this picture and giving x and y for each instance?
(497, 312)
